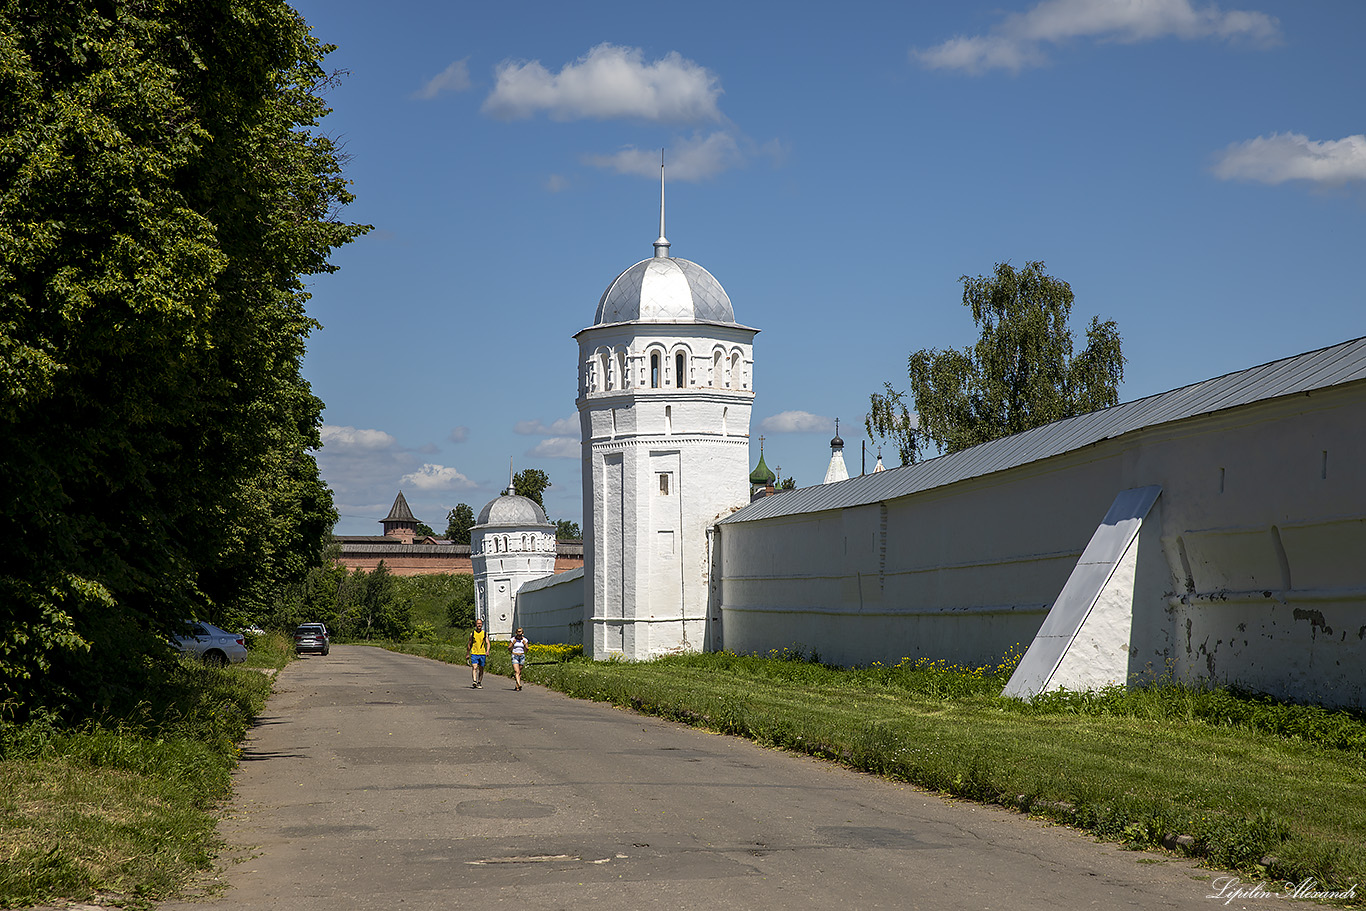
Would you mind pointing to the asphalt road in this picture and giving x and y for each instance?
(379, 780)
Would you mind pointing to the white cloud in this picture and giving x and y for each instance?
(796, 422)
(459, 434)
(361, 467)
(437, 477)
(557, 183)
(608, 82)
(697, 158)
(454, 78)
(350, 439)
(1292, 156)
(557, 448)
(563, 426)
(1020, 40)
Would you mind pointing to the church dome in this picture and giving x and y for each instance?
(665, 289)
(511, 509)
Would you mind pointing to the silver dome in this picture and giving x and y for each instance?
(511, 509)
(665, 289)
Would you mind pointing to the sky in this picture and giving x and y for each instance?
(1195, 172)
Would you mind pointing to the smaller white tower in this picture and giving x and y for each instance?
(511, 544)
(837, 470)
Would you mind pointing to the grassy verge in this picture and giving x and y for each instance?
(1273, 791)
(125, 808)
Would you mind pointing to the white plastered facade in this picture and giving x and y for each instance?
(664, 405)
(514, 544)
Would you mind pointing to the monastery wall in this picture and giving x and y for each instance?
(426, 559)
(550, 609)
(407, 559)
(1248, 569)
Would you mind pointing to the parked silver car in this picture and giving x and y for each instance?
(312, 637)
(211, 644)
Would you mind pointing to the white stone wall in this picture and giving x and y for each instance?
(504, 557)
(550, 610)
(1251, 570)
(661, 464)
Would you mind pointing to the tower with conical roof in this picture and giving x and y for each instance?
(400, 523)
(665, 392)
(837, 470)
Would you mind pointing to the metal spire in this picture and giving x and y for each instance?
(661, 245)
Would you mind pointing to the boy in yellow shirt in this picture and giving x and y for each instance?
(478, 649)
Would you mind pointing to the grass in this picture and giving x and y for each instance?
(1267, 789)
(126, 808)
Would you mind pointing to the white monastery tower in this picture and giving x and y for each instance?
(511, 543)
(665, 391)
(837, 471)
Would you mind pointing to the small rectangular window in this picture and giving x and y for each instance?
(664, 484)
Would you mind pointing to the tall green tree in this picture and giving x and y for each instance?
(565, 530)
(531, 483)
(164, 187)
(1022, 373)
(459, 521)
(382, 612)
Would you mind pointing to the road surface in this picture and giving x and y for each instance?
(384, 781)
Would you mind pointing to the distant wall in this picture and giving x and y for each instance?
(426, 559)
(1252, 571)
(550, 609)
(405, 559)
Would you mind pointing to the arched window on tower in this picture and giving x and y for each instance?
(624, 379)
(679, 376)
(734, 377)
(717, 368)
(654, 370)
(602, 369)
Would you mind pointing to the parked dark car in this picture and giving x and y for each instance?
(211, 645)
(312, 637)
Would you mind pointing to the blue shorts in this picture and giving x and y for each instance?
(478, 660)
(519, 659)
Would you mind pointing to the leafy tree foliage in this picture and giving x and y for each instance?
(423, 530)
(381, 613)
(460, 609)
(566, 530)
(163, 188)
(1022, 372)
(531, 483)
(459, 521)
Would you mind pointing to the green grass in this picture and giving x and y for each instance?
(127, 807)
(1271, 790)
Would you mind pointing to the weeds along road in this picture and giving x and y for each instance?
(384, 781)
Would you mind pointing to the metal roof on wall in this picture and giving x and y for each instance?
(1321, 369)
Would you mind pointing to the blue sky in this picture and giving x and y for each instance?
(1195, 172)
